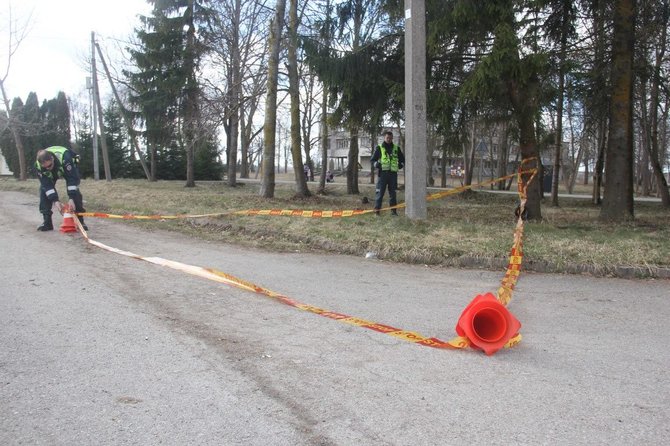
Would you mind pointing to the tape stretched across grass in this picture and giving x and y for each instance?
(467, 324)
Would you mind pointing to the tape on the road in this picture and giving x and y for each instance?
(504, 294)
(222, 277)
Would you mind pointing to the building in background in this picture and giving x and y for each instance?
(4, 169)
(338, 143)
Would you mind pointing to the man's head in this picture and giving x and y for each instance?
(388, 136)
(46, 159)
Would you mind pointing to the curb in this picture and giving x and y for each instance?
(538, 266)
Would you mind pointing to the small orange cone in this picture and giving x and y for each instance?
(68, 221)
(487, 323)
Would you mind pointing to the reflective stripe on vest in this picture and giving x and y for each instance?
(389, 163)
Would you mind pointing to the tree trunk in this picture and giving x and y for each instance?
(469, 156)
(618, 202)
(235, 95)
(443, 166)
(306, 122)
(152, 161)
(324, 141)
(600, 164)
(599, 73)
(294, 92)
(528, 149)
(23, 170)
(244, 149)
(654, 158)
(565, 27)
(352, 167)
(267, 189)
(503, 155)
(190, 98)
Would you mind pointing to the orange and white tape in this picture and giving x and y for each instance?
(218, 276)
(298, 212)
(459, 342)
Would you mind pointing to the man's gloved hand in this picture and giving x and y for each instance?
(401, 165)
(377, 165)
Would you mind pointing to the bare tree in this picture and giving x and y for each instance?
(656, 42)
(311, 113)
(270, 127)
(16, 32)
(294, 92)
(238, 63)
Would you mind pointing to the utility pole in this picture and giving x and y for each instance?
(94, 118)
(415, 109)
(124, 114)
(97, 105)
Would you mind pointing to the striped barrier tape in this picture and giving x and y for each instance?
(459, 342)
(513, 271)
(299, 212)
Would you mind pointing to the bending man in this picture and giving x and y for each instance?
(53, 163)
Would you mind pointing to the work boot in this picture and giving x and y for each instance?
(394, 212)
(377, 212)
(47, 225)
(83, 225)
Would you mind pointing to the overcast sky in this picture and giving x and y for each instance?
(54, 54)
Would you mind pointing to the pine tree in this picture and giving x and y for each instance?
(55, 122)
(117, 141)
(165, 87)
(360, 78)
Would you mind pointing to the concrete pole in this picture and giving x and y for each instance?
(94, 114)
(96, 97)
(415, 109)
(126, 120)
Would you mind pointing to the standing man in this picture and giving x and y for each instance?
(388, 159)
(53, 163)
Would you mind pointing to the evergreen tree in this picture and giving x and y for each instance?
(39, 127)
(32, 130)
(360, 79)
(164, 86)
(207, 164)
(117, 141)
(55, 114)
(85, 147)
(8, 140)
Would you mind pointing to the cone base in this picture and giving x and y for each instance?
(68, 225)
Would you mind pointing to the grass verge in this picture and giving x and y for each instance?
(469, 230)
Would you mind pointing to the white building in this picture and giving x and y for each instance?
(338, 147)
(4, 169)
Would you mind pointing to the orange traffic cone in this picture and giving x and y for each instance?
(68, 221)
(487, 323)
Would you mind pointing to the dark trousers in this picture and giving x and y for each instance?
(46, 205)
(387, 179)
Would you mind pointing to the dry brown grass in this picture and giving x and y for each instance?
(474, 229)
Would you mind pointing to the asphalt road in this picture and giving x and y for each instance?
(99, 348)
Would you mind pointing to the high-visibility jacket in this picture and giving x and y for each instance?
(389, 162)
(64, 166)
